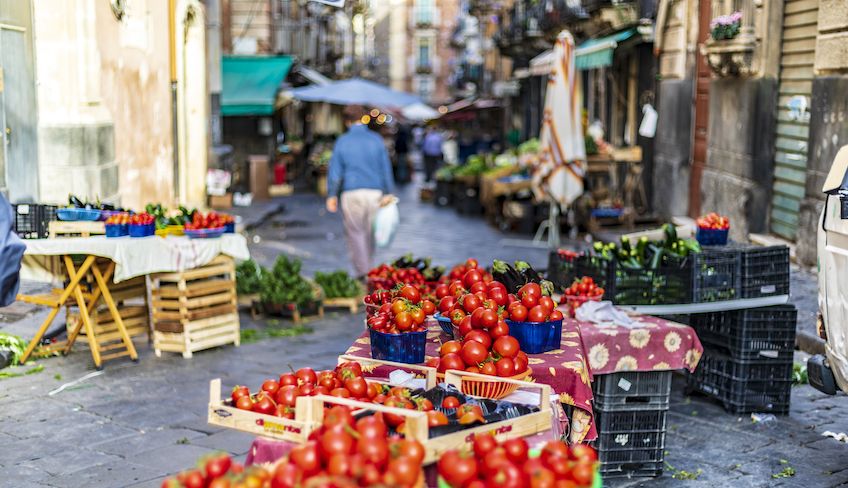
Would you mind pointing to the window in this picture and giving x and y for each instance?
(425, 45)
(425, 12)
(424, 87)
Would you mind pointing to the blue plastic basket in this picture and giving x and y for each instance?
(230, 228)
(77, 214)
(117, 230)
(142, 230)
(536, 337)
(205, 233)
(712, 237)
(400, 348)
(444, 323)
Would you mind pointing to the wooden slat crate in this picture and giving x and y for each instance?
(59, 228)
(351, 304)
(196, 309)
(309, 413)
(109, 342)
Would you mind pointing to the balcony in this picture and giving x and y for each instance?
(731, 49)
(423, 69)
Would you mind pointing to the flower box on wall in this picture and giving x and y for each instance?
(731, 57)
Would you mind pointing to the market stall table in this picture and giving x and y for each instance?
(53, 260)
(650, 344)
(564, 369)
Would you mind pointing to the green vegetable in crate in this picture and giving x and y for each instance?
(283, 283)
(248, 277)
(338, 284)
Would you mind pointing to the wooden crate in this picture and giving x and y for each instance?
(59, 228)
(351, 304)
(222, 413)
(195, 309)
(135, 318)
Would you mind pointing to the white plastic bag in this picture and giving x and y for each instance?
(385, 224)
(602, 312)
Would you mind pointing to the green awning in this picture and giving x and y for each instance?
(597, 53)
(250, 83)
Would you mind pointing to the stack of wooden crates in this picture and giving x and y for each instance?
(195, 309)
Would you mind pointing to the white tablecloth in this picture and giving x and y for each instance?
(132, 256)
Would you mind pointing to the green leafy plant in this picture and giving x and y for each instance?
(799, 374)
(338, 284)
(248, 277)
(283, 284)
(13, 344)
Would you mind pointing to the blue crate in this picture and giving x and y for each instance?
(142, 230)
(78, 214)
(117, 230)
(712, 237)
(444, 323)
(400, 348)
(230, 228)
(537, 337)
(205, 233)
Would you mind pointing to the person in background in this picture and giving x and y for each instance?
(402, 152)
(360, 178)
(431, 147)
(450, 148)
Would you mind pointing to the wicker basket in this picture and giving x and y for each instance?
(493, 388)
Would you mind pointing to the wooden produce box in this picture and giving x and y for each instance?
(60, 228)
(350, 303)
(222, 413)
(195, 309)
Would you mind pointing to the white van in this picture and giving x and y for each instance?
(830, 373)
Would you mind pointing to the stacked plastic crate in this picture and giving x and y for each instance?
(747, 362)
(630, 414)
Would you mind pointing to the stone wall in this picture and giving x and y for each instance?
(740, 150)
(672, 147)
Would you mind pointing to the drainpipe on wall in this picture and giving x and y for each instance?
(172, 13)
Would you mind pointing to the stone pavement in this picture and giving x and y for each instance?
(136, 423)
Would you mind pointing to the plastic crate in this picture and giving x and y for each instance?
(443, 195)
(401, 348)
(764, 271)
(711, 237)
(754, 333)
(466, 199)
(32, 219)
(632, 390)
(444, 323)
(563, 270)
(631, 443)
(537, 337)
(744, 386)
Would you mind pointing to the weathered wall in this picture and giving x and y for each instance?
(828, 118)
(738, 177)
(673, 147)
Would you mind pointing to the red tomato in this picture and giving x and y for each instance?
(489, 368)
(518, 312)
(516, 450)
(505, 367)
(442, 290)
(547, 303)
(451, 361)
(479, 287)
(450, 347)
(499, 330)
(479, 336)
(472, 276)
(483, 443)
(582, 452)
(471, 302)
(521, 362)
(428, 307)
(450, 402)
(555, 315)
(498, 295)
(446, 303)
(411, 293)
(436, 418)
(457, 469)
(506, 475)
(465, 327)
(307, 458)
(537, 314)
(488, 319)
(530, 301)
(418, 316)
(474, 353)
(287, 395)
(583, 473)
(507, 347)
(530, 289)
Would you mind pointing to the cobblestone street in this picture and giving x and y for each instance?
(136, 423)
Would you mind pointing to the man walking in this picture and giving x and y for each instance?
(432, 149)
(360, 171)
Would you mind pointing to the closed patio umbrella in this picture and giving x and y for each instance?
(355, 91)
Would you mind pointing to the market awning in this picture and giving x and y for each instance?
(597, 53)
(250, 83)
(355, 91)
(594, 53)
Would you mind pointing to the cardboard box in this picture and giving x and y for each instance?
(222, 202)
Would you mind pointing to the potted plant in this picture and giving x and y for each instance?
(248, 282)
(283, 291)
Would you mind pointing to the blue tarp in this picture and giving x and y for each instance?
(355, 91)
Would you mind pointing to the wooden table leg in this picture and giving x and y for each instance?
(89, 329)
(38, 335)
(76, 276)
(103, 285)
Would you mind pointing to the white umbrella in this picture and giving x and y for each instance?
(559, 174)
(419, 111)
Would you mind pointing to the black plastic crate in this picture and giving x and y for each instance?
(32, 219)
(443, 195)
(563, 269)
(744, 386)
(685, 319)
(632, 390)
(467, 199)
(754, 333)
(765, 271)
(631, 443)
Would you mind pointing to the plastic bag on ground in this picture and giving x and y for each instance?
(385, 224)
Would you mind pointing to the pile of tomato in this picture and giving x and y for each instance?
(143, 218)
(713, 221)
(212, 220)
(217, 471)
(387, 277)
(584, 287)
(459, 271)
(122, 218)
(406, 312)
(279, 396)
(510, 465)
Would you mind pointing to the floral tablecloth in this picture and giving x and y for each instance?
(654, 344)
(564, 369)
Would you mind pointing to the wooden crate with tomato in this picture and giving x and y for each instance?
(195, 309)
(294, 426)
(416, 422)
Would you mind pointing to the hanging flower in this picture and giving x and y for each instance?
(639, 338)
(672, 341)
